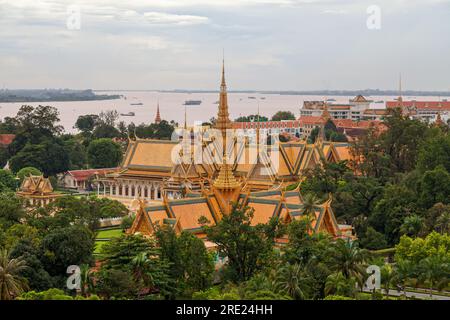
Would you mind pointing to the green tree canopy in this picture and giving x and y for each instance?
(62, 247)
(191, 265)
(27, 171)
(50, 157)
(283, 115)
(86, 123)
(434, 152)
(435, 187)
(11, 210)
(248, 248)
(7, 181)
(252, 118)
(104, 153)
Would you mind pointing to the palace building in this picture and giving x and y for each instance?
(259, 184)
(210, 205)
(154, 169)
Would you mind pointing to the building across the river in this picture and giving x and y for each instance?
(356, 109)
(424, 110)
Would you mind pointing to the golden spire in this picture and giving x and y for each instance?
(223, 121)
(226, 180)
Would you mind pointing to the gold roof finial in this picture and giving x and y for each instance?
(226, 180)
(223, 121)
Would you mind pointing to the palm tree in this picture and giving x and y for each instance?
(443, 222)
(87, 282)
(412, 225)
(387, 276)
(338, 284)
(11, 283)
(310, 203)
(140, 267)
(403, 271)
(293, 281)
(349, 259)
(435, 271)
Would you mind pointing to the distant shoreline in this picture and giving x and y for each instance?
(368, 92)
(52, 95)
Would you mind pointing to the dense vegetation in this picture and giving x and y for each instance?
(397, 195)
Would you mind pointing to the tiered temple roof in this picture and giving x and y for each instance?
(255, 168)
(36, 185)
(185, 214)
(234, 172)
(37, 190)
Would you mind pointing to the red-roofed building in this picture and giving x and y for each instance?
(6, 139)
(355, 129)
(79, 179)
(305, 124)
(424, 110)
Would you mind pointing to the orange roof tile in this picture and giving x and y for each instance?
(421, 105)
(188, 212)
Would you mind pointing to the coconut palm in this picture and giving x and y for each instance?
(292, 280)
(387, 276)
(338, 284)
(403, 271)
(310, 203)
(434, 270)
(140, 265)
(87, 282)
(11, 283)
(346, 257)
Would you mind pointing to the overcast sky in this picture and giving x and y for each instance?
(269, 44)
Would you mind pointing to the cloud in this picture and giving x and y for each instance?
(334, 11)
(174, 19)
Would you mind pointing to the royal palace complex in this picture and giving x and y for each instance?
(166, 184)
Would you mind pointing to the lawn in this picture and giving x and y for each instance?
(109, 233)
(98, 246)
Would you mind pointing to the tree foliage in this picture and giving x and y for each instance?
(104, 153)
